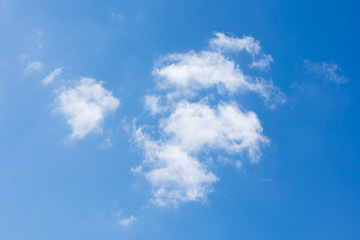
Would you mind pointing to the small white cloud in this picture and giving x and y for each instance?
(152, 103)
(49, 78)
(85, 106)
(249, 44)
(195, 71)
(329, 71)
(238, 164)
(263, 62)
(33, 66)
(229, 161)
(226, 43)
(125, 222)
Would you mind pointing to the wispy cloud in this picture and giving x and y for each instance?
(125, 221)
(189, 129)
(38, 38)
(116, 16)
(85, 106)
(49, 78)
(263, 62)
(249, 44)
(152, 103)
(33, 67)
(106, 143)
(329, 71)
(36, 45)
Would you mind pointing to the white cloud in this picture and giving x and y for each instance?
(152, 104)
(175, 162)
(49, 78)
(193, 71)
(175, 171)
(263, 62)
(33, 66)
(85, 106)
(238, 164)
(223, 42)
(329, 71)
(249, 44)
(194, 126)
(125, 222)
(174, 175)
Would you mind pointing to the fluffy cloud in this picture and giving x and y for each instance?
(172, 166)
(194, 126)
(249, 44)
(223, 42)
(194, 71)
(49, 78)
(174, 174)
(199, 70)
(329, 71)
(189, 131)
(85, 106)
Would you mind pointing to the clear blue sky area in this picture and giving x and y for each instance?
(179, 119)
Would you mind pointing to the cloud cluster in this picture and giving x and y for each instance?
(85, 106)
(191, 130)
(329, 71)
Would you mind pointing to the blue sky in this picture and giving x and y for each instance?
(179, 120)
